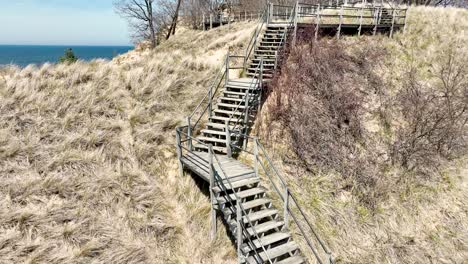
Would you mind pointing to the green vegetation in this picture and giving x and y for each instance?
(69, 57)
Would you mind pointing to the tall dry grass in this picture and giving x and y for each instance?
(417, 219)
(88, 172)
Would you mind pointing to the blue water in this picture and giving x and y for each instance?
(24, 55)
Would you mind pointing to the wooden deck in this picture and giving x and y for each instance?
(198, 162)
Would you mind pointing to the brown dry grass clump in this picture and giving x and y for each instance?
(87, 159)
(380, 209)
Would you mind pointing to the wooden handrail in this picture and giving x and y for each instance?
(260, 151)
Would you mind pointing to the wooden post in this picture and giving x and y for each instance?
(261, 82)
(295, 23)
(239, 232)
(317, 26)
(212, 198)
(210, 102)
(246, 117)
(286, 207)
(406, 19)
(211, 21)
(204, 22)
(226, 81)
(360, 22)
(272, 7)
(179, 153)
(341, 21)
(276, 59)
(256, 157)
(189, 134)
(376, 14)
(228, 140)
(393, 23)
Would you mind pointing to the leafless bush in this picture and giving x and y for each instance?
(319, 99)
(434, 116)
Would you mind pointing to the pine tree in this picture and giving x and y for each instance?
(69, 57)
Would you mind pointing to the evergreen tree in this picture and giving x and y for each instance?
(68, 57)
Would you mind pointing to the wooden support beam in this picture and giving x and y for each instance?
(204, 22)
(360, 22)
(317, 25)
(179, 153)
(406, 19)
(376, 19)
(228, 140)
(341, 22)
(212, 195)
(256, 157)
(189, 134)
(393, 23)
(286, 207)
(239, 232)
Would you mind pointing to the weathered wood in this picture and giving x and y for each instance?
(212, 198)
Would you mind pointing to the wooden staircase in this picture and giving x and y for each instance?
(260, 231)
(264, 234)
(230, 108)
(254, 224)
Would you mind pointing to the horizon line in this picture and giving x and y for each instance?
(71, 45)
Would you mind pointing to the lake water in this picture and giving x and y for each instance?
(24, 55)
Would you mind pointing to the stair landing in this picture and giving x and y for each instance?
(234, 170)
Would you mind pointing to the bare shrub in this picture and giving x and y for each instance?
(434, 115)
(320, 99)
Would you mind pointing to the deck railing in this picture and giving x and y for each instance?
(388, 17)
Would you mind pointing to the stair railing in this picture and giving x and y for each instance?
(241, 228)
(208, 101)
(292, 22)
(287, 198)
(255, 83)
(253, 40)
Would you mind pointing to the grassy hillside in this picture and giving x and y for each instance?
(87, 162)
(88, 172)
(342, 104)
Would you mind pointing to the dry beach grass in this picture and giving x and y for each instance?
(87, 165)
(414, 217)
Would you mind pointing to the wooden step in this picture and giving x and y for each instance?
(272, 52)
(292, 260)
(276, 252)
(211, 139)
(265, 241)
(265, 227)
(241, 195)
(231, 99)
(234, 119)
(264, 60)
(238, 184)
(226, 112)
(247, 206)
(205, 148)
(251, 93)
(218, 126)
(213, 132)
(233, 106)
(259, 215)
(264, 75)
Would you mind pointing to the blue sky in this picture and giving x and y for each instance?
(61, 22)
